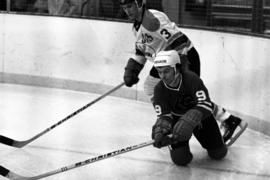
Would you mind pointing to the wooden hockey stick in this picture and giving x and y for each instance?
(14, 176)
(19, 144)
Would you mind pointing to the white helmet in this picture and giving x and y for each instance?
(167, 58)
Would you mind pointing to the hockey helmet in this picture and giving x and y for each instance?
(167, 58)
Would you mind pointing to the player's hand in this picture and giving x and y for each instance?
(130, 79)
(161, 130)
(132, 70)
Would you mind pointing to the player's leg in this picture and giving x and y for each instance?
(180, 153)
(194, 63)
(228, 121)
(209, 136)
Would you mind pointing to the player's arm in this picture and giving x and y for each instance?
(201, 95)
(164, 123)
(183, 129)
(133, 68)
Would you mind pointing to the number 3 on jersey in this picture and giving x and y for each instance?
(165, 33)
(158, 109)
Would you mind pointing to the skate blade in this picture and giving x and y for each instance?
(243, 125)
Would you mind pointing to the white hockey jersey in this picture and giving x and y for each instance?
(156, 33)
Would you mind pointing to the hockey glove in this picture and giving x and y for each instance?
(183, 129)
(132, 70)
(161, 130)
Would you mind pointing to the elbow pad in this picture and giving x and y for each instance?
(183, 129)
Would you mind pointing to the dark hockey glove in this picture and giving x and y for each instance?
(132, 71)
(161, 130)
(183, 129)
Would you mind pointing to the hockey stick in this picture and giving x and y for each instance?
(14, 176)
(19, 144)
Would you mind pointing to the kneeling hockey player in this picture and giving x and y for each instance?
(183, 108)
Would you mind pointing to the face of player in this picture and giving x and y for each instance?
(131, 10)
(168, 76)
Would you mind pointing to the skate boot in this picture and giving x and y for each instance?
(229, 126)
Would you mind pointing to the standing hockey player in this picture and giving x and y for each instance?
(155, 32)
(183, 108)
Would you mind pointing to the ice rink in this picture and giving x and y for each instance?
(110, 124)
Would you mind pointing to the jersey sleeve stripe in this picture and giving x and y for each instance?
(179, 37)
(181, 44)
(178, 40)
(205, 102)
(205, 107)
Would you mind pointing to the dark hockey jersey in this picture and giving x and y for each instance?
(190, 94)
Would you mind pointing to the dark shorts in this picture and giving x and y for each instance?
(208, 134)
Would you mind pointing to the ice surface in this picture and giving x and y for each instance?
(110, 124)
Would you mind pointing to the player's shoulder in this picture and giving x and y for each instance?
(190, 76)
(159, 87)
(152, 19)
(156, 13)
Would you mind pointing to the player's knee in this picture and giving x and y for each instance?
(181, 156)
(218, 153)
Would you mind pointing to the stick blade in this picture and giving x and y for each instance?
(13, 143)
(11, 175)
(6, 141)
(3, 171)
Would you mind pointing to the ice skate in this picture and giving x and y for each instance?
(229, 126)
